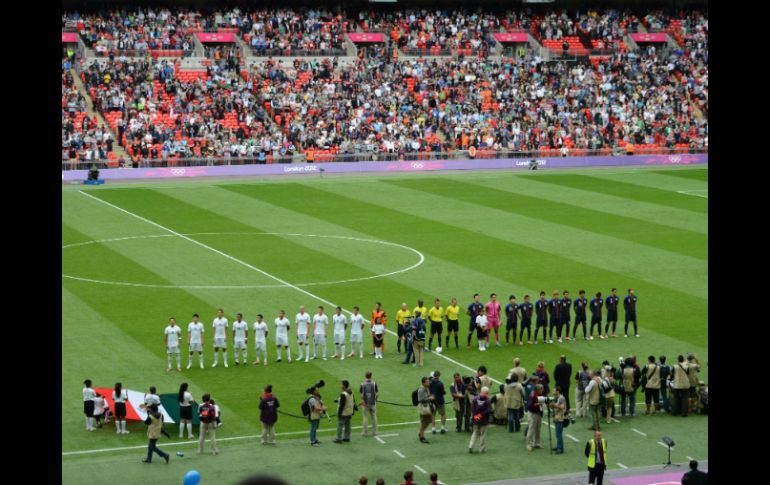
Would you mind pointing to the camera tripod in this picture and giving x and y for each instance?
(668, 464)
(550, 439)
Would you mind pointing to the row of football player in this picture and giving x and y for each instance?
(240, 332)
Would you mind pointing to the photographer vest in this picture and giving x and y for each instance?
(593, 395)
(693, 374)
(681, 376)
(628, 379)
(485, 381)
(558, 414)
(347, 410)
(514, 396)
(652, 371)
(519, 371)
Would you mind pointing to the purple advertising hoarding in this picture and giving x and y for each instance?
(411, 166)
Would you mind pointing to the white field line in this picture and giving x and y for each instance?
(232, 438)
(220, 287)
(664, 445)
(571, 437)
(421, 469)
(690, 192)
(614, 420)
(622, 466)
(254, 268)
(690, 458)
(398, 453)
(388, 435)
(380, 439)
(638, 432)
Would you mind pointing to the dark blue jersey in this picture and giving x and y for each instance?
(474, 309)
(512, 312)
(541, 308)
(526, 310)
(596, 308)
(580, 309)
(555, 309)
(629, 305)
(565, 304)
(612, 305)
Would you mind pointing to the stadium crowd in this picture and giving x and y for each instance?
(649, 98)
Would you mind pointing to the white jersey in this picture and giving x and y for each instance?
(122, 398)
(339, 323)
(260, 331)
(481, 321)
(320, 322)
(302, 320)
(196, 332)
(282, 327)
(88, 394)
(220, 327)
(240, 330)
(356, 324)
(186, 400)
(99, 405)
(173, 335)
(150, 399)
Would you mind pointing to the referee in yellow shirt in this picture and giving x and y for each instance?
(436, 317)
(401, 317)
(452, 311)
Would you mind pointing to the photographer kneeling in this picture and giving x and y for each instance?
(559, 407)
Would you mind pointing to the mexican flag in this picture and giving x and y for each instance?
(168, 405)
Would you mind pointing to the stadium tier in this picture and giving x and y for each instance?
(273, 85)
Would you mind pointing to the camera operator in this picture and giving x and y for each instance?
(514, 402)
(581, 380)
(631, 376)
(317, 409)
(345, 410)
(665, 371)
(437, 390)
(593, 392)
(154, 424)
(559, 407)
(608, 390)
(425, 408)
(535, 420)
(693, 364)
(459, 403)
(529, 389)
(652, 385)
(680, 382)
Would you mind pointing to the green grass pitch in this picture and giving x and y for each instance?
(128, 270)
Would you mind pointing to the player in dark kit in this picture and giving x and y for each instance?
(541, 310)
(474, 309)
(566, 303)
(596, 314)
(580, 314)
(512, 318)
(629, 305)
(554, 308)
(612, 312)
(526, 309)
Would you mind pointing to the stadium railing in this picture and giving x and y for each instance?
(373, 156)
(297, 52)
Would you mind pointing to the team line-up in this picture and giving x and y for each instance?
(550, 315)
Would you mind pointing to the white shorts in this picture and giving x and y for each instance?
(339, 338)
(319, 339)
(220, 343)
(356, 338)
(196, 347)
(260, 345)
(172, 350)
(302, 338)
(282, 340)
(240, 345)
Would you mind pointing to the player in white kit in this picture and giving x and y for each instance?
(171, 339)
(340, 325)
(260, 339)
(240, 336)
(302, 319)
(356, 333)
(320, 329)
(195, 340)
(282, 335)
(220, 337)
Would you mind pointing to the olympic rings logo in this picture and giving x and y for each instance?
(177, 171)
(418, 165)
